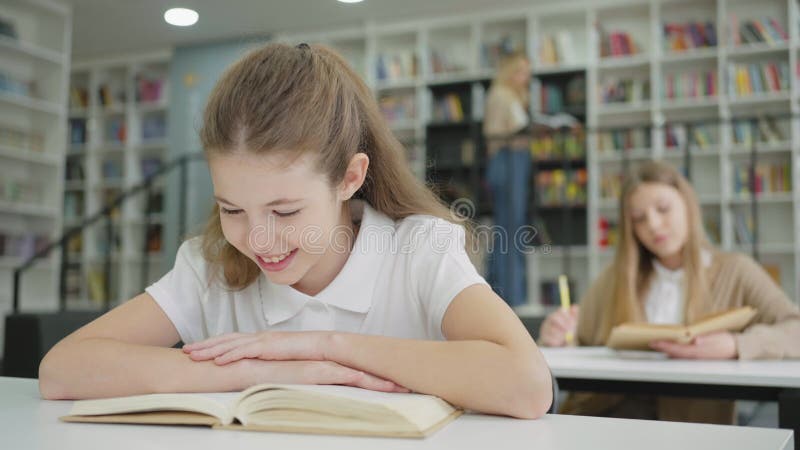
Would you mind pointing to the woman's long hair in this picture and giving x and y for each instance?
(506, 67)
(306, 99)
(633, 267)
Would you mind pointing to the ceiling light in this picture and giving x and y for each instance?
(350, 1)
(181, 17)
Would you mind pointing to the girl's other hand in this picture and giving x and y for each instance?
(311, 372)
(554, 329)
(720, 345)
(266, 345)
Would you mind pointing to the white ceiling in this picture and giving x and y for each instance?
(106, 27)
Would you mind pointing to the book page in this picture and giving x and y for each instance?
(637, 336)
(212, 404)
(733, 320)
(341, 408)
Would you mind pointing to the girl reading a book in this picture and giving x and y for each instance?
(325, 261)
(665, 271)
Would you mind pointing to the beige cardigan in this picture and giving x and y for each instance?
(498, 120)
(735, 280)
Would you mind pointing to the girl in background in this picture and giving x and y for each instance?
(665, 271)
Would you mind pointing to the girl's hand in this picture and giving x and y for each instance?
(554, 329)
(311, 372)
(266, 345)
(720, 345)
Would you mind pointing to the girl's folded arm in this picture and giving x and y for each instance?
(489, 362)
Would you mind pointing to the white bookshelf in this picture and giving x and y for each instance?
(588, 24)
(124, 140)
(32, 145)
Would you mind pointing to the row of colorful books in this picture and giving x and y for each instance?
(20, 139)
(397, 107)
(561, 187)
(623, 139)
(448, 108)
(752, 31)
(699, 136)
(17, 86)
(617, 43)
(769, 178)
(21, 245)
(77, 132)
(766, 130)
(493, 51)
(557, 48)
(694, 84)
(149, 88)
(625, 91)
(443, 62)
(690, 35)
(78, 97)
(755, 78)
(396, 65)
(18, 190)
(553, 99)
(569, 146)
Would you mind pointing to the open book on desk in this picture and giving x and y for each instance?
(283, 408)
(637, 336)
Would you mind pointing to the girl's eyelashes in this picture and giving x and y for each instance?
(233, 212)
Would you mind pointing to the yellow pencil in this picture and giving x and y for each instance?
(564, 289)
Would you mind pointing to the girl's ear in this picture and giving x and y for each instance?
(354, 176)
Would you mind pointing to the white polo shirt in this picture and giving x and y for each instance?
(398, 281)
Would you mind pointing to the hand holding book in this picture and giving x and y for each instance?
(720, 345)
(709, 338)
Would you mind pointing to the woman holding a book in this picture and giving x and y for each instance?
(666, 272)
(508, 173)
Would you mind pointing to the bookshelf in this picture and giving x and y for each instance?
(34, 67)
(117, 129)
(656, 74)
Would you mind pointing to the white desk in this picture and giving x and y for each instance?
(602, 370)
(26, 422)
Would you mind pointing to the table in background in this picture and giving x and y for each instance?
(599, 369)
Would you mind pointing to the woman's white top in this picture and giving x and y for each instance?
(398, 281)
(665, 298)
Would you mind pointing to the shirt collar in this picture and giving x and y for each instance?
(676, 275)
(352, 289)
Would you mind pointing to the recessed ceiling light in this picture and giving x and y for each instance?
(350, 1)
(181, 17)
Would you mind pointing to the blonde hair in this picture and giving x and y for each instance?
(305, 99)
(505, 68)
(632, 267)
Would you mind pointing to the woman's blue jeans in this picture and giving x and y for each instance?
(508, 177)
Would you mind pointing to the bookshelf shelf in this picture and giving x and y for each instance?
(639, 61)
(27, 209)
(624, 108)
(559, 69)
(126, 98)
(31, 104)
(29, 156)
(689, 104)
(14, 48)
(690, 56)
(35, 57)
(757, 50)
